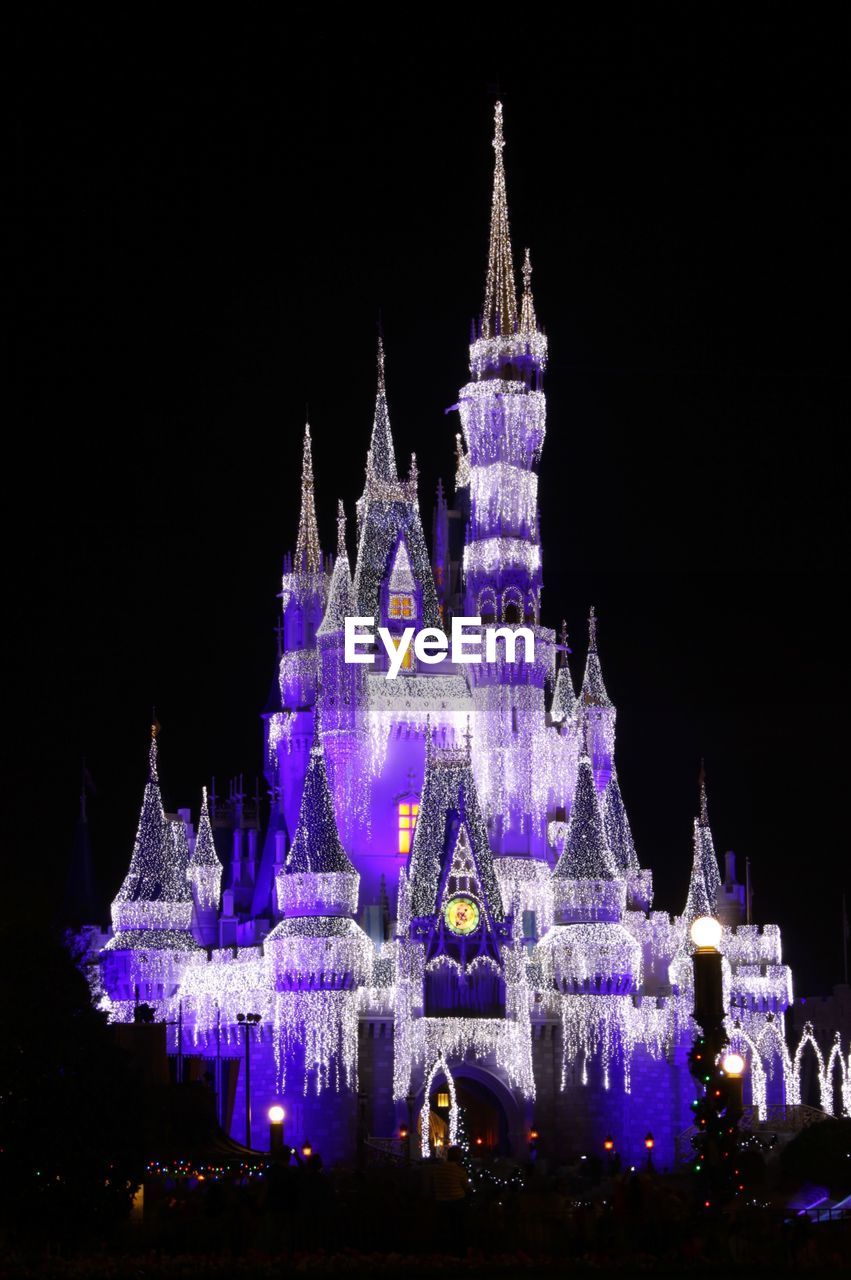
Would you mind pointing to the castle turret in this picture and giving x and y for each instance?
(317, 955)
(304, 594)
(639, 882)
(503, 416)
(390, 535)
(563, 705)
(597, 711)
(703, 840)
(152, 911)
(205, 877)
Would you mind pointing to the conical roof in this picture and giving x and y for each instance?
(316, 846)
(698, 902)
(618, 831)
(157, 871)
(449, 803)
(307, 553)
(204, 854)
(341, 599)
(382, 455)
(703, 838)
(499, 314)
(586, 854)
(593, 692)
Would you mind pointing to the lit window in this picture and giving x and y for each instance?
(408, 659)
(443, 1098)
(408, 814)
(401, 606)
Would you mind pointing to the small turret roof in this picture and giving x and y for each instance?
(157, 871)
(586, 854)
(204, 854)
(593, 692)
(618, 830)
(341, 599)
(316, 845)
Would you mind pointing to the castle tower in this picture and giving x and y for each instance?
(597, 712)
(304, 593)
(393, 582)
(205, 877)
(593, 962)
(503, 417)
(317, 956)
(152, 911)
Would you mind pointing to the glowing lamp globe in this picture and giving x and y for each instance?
(706, 933)
(276, 1115)
(733, 1064)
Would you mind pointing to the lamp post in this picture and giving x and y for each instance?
(247, 1021)
(649, 1144)
(719, 1109)
(276, 1116)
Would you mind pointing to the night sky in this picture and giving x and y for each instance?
(211, 216)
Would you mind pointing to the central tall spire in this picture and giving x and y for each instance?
(500, 310)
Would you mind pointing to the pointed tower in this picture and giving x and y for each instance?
(317, 956)
(503, 418)
(205, 878)
(588, 955)
(703, 840)
(152, 911)
(389, 527)
(698, 901)
(289, 731)
(563, 705)
(639, 882)
(597, 711)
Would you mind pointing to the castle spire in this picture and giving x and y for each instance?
(704, 842)
(593, 690)
(528, 319)
(586, 854)
(564, 695)
(618, 830)
(500, 310)
(341, 600)
(382, 456)
(698, 902)
(155, 893)
(307, 553)
(316, 844)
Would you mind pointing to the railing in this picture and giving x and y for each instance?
(779, 1118)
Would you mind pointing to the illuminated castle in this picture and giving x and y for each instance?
(445, 916)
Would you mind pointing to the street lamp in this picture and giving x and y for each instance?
(734, 1068)
(276, 1115)
(649, 1144)
(246, 1022)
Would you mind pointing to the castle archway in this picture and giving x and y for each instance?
(488, 1109)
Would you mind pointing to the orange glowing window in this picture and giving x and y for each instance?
(401, 606)
(408, 814)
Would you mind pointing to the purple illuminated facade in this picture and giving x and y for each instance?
(443, 920)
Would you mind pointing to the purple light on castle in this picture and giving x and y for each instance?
(446, 902)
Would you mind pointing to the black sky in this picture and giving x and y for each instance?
(211, 214)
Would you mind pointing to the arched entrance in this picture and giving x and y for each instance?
(469, 1100)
